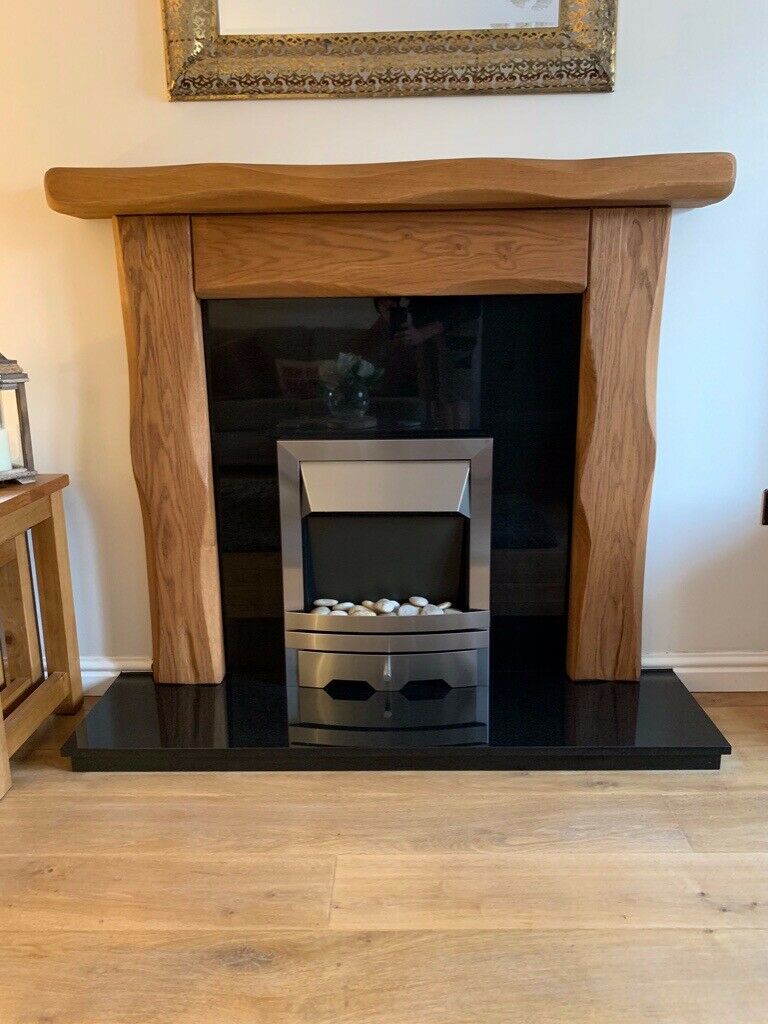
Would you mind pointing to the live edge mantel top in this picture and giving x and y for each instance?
(435, 227)
(676, 180)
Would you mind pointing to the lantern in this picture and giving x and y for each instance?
(16, 461)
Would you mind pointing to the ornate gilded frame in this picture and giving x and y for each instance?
(202, 64)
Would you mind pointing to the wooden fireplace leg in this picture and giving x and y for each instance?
(170, 446)
(615, 446)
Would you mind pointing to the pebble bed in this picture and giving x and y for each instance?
(384, 607)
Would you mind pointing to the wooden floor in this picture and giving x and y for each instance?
(388, 898)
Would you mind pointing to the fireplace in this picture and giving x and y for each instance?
(503, 301)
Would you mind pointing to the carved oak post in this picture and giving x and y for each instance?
(615, 446)
(170, 446)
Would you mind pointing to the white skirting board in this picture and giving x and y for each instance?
(98, 673)
(719, 671)
(735, 671)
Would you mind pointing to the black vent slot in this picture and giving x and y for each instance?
(349, 689)
(426, 689)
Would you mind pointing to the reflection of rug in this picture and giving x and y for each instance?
(249, 513)
(249, 518)
(517, 523)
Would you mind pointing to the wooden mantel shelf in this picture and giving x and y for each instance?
(671, 180)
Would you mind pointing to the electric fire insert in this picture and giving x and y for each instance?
(372, 519)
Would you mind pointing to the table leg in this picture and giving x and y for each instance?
(5, 768)
(57, 610)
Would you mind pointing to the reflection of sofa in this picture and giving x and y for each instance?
(246, 364)
(265, 386)
(245, 429)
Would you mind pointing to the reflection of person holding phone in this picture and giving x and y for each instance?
(391, 349)
(431, 342)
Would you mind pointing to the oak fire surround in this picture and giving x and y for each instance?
(430, 228)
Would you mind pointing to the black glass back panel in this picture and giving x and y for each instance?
(499, 366)
(380, 553)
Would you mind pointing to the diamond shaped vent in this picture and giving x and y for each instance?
(425, 689)
(349, 689)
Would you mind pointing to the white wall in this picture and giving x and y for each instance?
(83, 84)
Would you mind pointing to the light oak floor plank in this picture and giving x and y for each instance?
(571, 824)
(146, 892)
(745, 770)
(724, 823)
(746, 727)
(387, 898)
(746, 699)
(525, 891)
(637, 977)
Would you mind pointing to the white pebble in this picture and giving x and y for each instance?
(326, 602)
(385, 606)
(419, 602)
(407, 609)
(322, 610)
(339, 611)
(344, 606)
(432, 609)
(445, 605)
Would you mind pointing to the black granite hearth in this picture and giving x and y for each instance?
(524, 721)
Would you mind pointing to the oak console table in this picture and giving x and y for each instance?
(28, 694)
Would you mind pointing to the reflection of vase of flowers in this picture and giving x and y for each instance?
(347, 403)
(346, 383)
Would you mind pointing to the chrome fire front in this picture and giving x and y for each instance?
(411, 477)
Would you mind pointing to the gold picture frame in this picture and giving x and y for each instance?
(203, 64)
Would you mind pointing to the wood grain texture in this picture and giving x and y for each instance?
(110, 913)
(137, 894)
(57, 606)
(679, 179)
(343, 822)
(717, 823)
(615, 446)
(20, 519)
(170, 446)
(500, 892)
(17, 608)
(35, 708)
(7, 553)
(16, 496)
(15, 691)
(465, 253)
(653, 976)
(5, 768)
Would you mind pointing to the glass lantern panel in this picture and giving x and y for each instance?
(9, 421)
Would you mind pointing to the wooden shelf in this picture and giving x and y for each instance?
(17, 496)
(678, 179)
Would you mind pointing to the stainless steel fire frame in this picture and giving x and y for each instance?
(477, 452)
